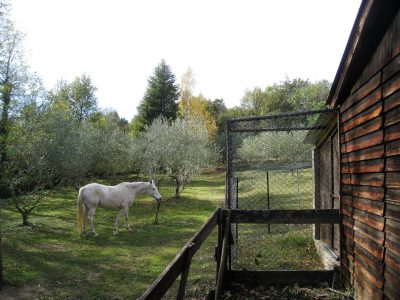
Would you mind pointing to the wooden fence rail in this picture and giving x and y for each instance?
(180, 265)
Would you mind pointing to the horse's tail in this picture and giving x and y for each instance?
(79, 211)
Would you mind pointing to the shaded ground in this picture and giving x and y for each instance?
(51, 261)
(240, 292)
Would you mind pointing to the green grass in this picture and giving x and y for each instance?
(287, 247)
(50, 260)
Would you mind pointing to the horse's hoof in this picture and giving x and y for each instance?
(156, 223)
(95, 234)
(115, 232)
(83, 235)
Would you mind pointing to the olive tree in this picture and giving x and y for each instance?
(279, 147)
(180, 149)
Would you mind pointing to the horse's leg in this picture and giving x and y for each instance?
(116, 221)
(85, 216)
(91, 217)
(126, 210)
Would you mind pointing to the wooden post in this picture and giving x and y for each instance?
(222, 266)
(269, 226)
(185, 273)
(219, 243)
(317, 189)
(237, 206)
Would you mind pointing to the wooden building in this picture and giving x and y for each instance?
(366, 92)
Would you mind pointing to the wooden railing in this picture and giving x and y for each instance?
(180, 265)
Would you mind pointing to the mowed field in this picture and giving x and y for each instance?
(51, 261)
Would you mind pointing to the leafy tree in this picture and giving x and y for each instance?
(289, 95)
(190, 105)
(197, 106)
(275, 148)
(180, 149)
(79, 95)
(160, 99)
(216, 108)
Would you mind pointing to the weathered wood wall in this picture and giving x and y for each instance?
(328, 176)
(370, 175)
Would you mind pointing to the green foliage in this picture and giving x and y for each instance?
(275, 148)
(180, 149)
(160, 97)
(79, 96)
(51, 261)
(289, 95)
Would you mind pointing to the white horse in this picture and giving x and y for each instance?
(119, 197)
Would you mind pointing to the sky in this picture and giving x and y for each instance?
(230, 45)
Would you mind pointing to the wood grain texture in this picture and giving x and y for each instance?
(372, 193)
(392, 227)
(375, 207)
(371, 126)
(392, 132)
(370, 100)
(392, 68)
(363, 142)
(393, 148)
(392, 195)
(362, 92)
(392, 180)
(392, 164)
(391, 86)
(363, 117)
(392, 116)
(369, 179)
(391, 102)
(364, 154)
(367, 166)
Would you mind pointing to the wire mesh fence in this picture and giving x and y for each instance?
(273, 163)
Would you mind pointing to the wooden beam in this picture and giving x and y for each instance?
(222, 266)
(305, 216)
(253, 278)
(164, 281)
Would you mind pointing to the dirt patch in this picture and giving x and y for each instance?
(288, 292)
(23, 293)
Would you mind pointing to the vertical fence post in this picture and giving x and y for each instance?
(317, 189)
(237, 206)
(269, 226)
(297, 184)
(219, 242)
(222, 266)
(185, 273)
(229, 159)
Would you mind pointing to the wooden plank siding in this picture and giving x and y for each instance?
(369, 126)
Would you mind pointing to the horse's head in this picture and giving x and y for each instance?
(153, 191)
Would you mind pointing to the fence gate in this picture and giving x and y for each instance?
(270, 167)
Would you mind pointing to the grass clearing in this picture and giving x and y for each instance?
(51, 260)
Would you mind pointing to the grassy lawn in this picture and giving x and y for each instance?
(50, 260)
(287, 247)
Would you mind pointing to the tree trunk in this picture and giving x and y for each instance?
(6, 99)
(177, 189)
(25, 219)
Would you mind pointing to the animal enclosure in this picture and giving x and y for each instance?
(272, 164)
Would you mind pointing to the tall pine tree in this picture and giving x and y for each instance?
(160, 98)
